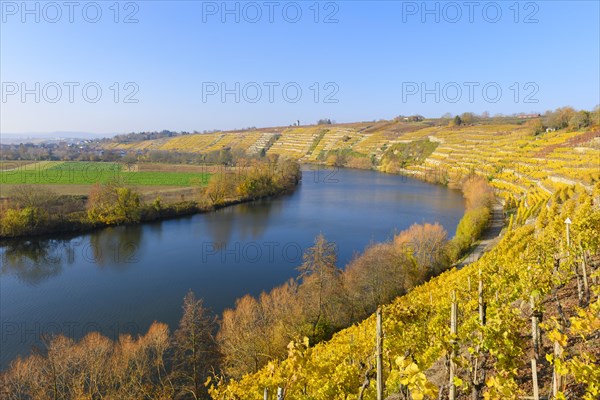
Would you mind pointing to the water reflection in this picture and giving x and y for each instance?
(250, 219)
(36, 260)
(116, 248)
(218, 225)
(256, 214)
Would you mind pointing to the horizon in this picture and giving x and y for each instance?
(56, 135)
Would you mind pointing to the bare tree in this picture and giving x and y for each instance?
(195, 347)
(321, 291)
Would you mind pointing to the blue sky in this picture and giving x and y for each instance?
(369, 60)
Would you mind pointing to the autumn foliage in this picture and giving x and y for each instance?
(251, 180)
(156, 365)
(479, 197)
(322, 300)
(325, 298)
(492, 354)
(113, 204)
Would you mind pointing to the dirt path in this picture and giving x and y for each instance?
(488, 239)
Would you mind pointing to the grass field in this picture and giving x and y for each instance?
(89, 173)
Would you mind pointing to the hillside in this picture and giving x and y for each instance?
(512, 158)
(493, 345)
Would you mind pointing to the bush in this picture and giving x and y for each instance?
(535, 126)
(29, 220)
(479, 196)
(401, 155)
(113, 204)
(457, 121)
(472, 225)
(582, 119)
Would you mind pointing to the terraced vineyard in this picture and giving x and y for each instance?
(512, 158)
(295, 143)
(201, 143)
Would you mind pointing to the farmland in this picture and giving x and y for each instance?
(89, 173)
(504, 150)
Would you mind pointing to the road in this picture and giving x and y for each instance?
(489, 238)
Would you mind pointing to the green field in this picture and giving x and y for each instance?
(88, 173)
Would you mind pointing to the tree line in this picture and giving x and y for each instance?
(564, 118)
(156, 365)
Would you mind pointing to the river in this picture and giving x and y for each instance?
(119, 280)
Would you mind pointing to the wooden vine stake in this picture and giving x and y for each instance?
(477, 379)
(453, 333)
(480, 301)
(556, 377)
(586, 286)
(534, 379)
(535, 329)
(579, 285)
(379, 356)
(536, 341)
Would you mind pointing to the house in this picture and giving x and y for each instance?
(413, 118)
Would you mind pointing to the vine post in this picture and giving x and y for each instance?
(586, 285)
(534, 379)
(534, 329)
(379, 356)
(453, 333)
(568, 223)
(480, 300)
(556, 377)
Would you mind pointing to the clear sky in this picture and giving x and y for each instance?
(352, 61)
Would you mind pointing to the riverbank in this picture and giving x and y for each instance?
(172, 211)
(38, 212)
(483, 219)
